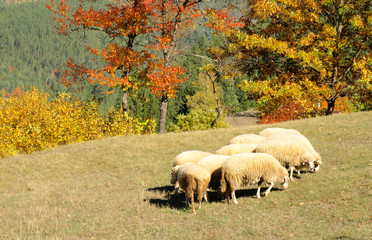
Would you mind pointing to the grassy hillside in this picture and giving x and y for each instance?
(119, 189)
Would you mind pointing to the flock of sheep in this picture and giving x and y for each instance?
(271, 156)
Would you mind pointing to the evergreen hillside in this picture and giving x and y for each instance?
(31, 52)
(19, 1)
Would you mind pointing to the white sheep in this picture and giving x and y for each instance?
(186, 157)
(213, 164)
(251, 168)
(270, 131)
(233, 149)
(291, 154)
(189, 156)
(307, 144)
(192, 178)
(248, 139)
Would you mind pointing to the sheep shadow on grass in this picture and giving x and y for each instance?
(251, 192)
(165, 197)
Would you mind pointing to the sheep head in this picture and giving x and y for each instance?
(285, 183)
(317, 162)
(174, 176)
(308, 161)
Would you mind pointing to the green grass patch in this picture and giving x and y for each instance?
(118, 188)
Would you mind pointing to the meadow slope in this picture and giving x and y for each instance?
(118, 188)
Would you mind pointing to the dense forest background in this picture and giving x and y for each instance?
(33, 54)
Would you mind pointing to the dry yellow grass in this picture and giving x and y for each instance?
(119, 188)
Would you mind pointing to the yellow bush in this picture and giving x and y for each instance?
(29, 122)
(197, 119)
(119, 123)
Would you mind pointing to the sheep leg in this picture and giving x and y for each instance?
(204, 190)
(291, 173)
(192, 203)
(227, 195)
(187, 201)
(188, 196)
(258, 194)
(233, 196)
(200, 201)
(202, 193)
(205, 197)
(268, 190)
(176, 188)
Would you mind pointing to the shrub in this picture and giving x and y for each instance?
(295, 100)
(288, 111)
(119, 123)
(197, 119)
(281, 102)
(29, 122)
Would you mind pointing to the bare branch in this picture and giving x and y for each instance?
(351, 63)
(202, 57)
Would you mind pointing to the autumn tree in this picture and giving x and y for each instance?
(217, 69)
(143, 44)
(326, 42)
(125, 60)
(171, 19)
(217, 61)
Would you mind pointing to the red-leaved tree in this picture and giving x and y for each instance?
(144, 42)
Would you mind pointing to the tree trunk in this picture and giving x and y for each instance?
(163, 114)
(125, 102)
(219, 113)
(218, 108)
(331, 105)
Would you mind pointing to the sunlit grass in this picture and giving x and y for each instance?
(118, 188)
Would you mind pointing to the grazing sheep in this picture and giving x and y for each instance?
(186, 157)
(251, 168)
(248, 139)
(307, 144)
(291, 154)
(189, 156)
(270, 131)
(192, 178)
(213, 164)
(233, 149)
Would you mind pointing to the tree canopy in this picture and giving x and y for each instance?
(324, 42)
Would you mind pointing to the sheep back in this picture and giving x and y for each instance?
(233, 149)
(289, 153)
(189, 156)
(270, 131)
(248, 139)
(299, 138)
(213, 164)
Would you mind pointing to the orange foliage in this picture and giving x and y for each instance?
(153, 25)
(158, 19)
(290, 110)
(221, 21)
(165, 80)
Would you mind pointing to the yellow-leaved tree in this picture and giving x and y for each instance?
(293, 43)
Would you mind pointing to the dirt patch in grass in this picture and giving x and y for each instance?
(242, 119)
